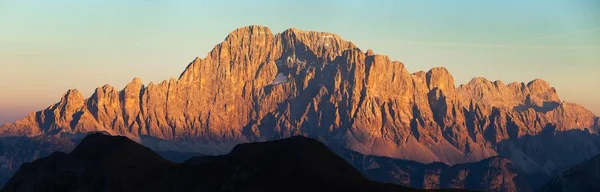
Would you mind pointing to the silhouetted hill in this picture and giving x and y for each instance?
(15, 151)
(115, 163)
(177, 157)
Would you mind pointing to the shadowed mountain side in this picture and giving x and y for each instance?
(493, 174)
(551, 151)
(15, 151)
(583, 177)
(115, 163)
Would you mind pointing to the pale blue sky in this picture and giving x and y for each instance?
(47, 47)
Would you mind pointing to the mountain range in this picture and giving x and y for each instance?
(260, 86)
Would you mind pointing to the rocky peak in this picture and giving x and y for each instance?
(250, 43)
(322, 44)
(478, 81)
(370, 52)
(538, 84)
(419, 75)
(105, 88)
(104, 92)
(135, 82)
(246, 55)
(499, 83)
(248, 31)
(71, 102)
(131, 97)
(543, 90)
(497, 94)
(476, 89)
(440, 77)
(72, 97)
(516, 86)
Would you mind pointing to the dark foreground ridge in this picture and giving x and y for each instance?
(115, 163)
(581, 177)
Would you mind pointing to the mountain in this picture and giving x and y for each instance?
(260, 86)
(115, 163)
(582, 177)
(492, 174)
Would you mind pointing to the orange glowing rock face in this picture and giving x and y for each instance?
(257, 85)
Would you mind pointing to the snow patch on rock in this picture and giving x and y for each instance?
(279, 79)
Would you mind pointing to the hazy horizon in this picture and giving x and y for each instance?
(50, 47)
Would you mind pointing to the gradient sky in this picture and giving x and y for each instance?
(47, 47)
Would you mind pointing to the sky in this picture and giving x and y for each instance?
(48, 47)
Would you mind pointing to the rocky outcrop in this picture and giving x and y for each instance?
(256, 86)
(115, 163)
(496, 94)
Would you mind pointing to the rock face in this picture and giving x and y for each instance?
(257, 86)
(115, 163)
(492, 174)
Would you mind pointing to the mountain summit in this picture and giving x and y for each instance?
(257, 86)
